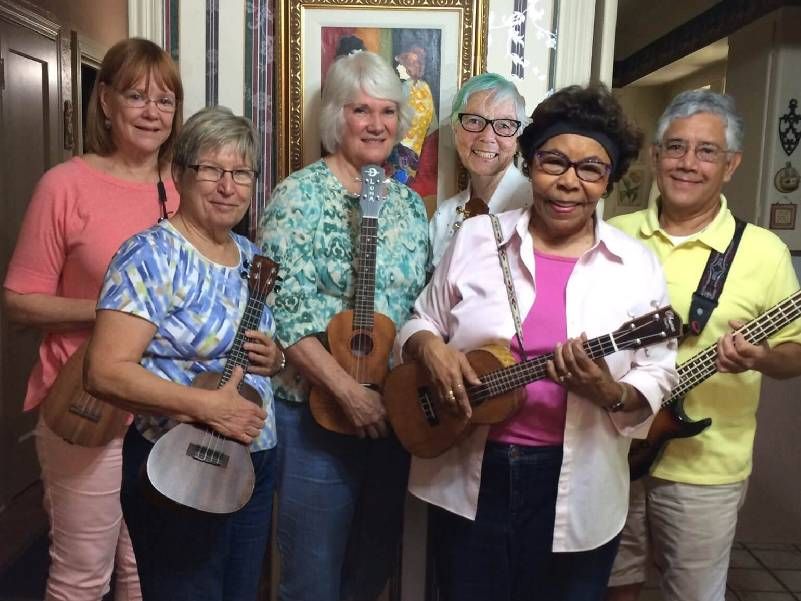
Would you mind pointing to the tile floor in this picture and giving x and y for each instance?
(757, 572)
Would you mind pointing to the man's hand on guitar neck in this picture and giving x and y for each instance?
(735, 355)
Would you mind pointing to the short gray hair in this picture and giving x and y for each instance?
(348, 75)
(692, 102)
(214, 128)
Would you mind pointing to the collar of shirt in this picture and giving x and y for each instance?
(716, 235)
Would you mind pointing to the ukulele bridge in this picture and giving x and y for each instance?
(427, 405)
(207, 455)
(86, 412)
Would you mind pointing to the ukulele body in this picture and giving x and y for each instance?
(364, 354)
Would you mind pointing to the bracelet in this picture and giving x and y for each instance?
(621, 402)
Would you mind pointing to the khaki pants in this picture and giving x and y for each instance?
(686, 530)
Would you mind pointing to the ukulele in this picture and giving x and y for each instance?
(671, 421)
(427, 429)
(359, 339)
(75, 415)
(194, 465)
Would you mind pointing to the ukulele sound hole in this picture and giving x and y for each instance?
(361, 345)
(207, 455)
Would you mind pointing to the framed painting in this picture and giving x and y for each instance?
(433, 45)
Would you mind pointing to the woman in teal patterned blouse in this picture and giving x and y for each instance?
(340, 497)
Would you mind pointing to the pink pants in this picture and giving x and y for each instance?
(87, 532)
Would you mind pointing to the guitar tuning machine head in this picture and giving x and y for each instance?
(244, 274)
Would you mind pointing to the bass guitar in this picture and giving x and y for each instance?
(426, 429)
(359, 339)
(77, 416)
(671, 421)
(196, 466)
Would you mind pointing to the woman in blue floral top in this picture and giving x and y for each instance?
(169, 310)
(340, 497)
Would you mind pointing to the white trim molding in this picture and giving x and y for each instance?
(574, 34)
(145, 20)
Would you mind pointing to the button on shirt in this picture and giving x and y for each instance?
(466, 303)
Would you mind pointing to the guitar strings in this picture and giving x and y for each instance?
(508, 378)
(702, 366)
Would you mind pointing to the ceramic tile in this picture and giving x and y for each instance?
(767, 597)
(778, 559)
(742, 558)
(741, 579)
(790, 578)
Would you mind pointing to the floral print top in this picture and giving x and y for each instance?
(311, 227)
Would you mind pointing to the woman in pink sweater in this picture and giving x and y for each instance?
(79, 214)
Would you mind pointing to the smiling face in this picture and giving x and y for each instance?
(370, 130)
(485, 153)
(214, 206)
(688, 185)
(563, 205)
(137, 132)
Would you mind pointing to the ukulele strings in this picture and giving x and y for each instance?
(213, 441)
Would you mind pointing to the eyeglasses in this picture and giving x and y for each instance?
(555, 163)
(705, 151)
(505, 128)
(137, 100)
(210, 173)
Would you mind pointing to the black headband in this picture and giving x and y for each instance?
(566, 127)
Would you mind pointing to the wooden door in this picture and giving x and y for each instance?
(29, 145)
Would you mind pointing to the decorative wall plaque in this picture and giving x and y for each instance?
(782, 216)
(787, 179)
(790, 128)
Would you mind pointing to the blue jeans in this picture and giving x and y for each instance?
(340, 509)
(188, 555)
(505, 554)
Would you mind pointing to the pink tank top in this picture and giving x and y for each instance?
(541, 419)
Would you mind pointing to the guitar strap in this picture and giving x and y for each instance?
(510, 285)
(710, 286)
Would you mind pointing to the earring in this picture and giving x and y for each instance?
(107, 123)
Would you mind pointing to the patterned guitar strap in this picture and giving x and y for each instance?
(510, 285)
(710, 286)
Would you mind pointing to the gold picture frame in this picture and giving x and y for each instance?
(298, 50)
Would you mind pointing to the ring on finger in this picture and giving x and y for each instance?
(459, 387)
(450, 395)
(568, 375)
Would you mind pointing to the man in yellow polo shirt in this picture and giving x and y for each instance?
(688, 506)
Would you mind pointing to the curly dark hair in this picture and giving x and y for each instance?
(592, 107)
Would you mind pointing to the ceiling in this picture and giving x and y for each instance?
(700, 59)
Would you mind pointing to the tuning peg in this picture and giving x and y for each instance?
(244, 274)
(246, 264)
(277, 288)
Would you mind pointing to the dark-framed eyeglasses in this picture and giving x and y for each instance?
(210, 173)
(555, 163)
(139, 100)
(676, 148)
(505, 128)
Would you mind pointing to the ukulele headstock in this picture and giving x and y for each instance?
(263, 275)
(372, 196)
(661, 324)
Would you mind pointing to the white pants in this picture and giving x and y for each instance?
(687, 530)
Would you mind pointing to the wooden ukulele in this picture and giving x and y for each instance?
(671, 421)
(75, 415)
(359, 339)
(196, 466)
(427, 430)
